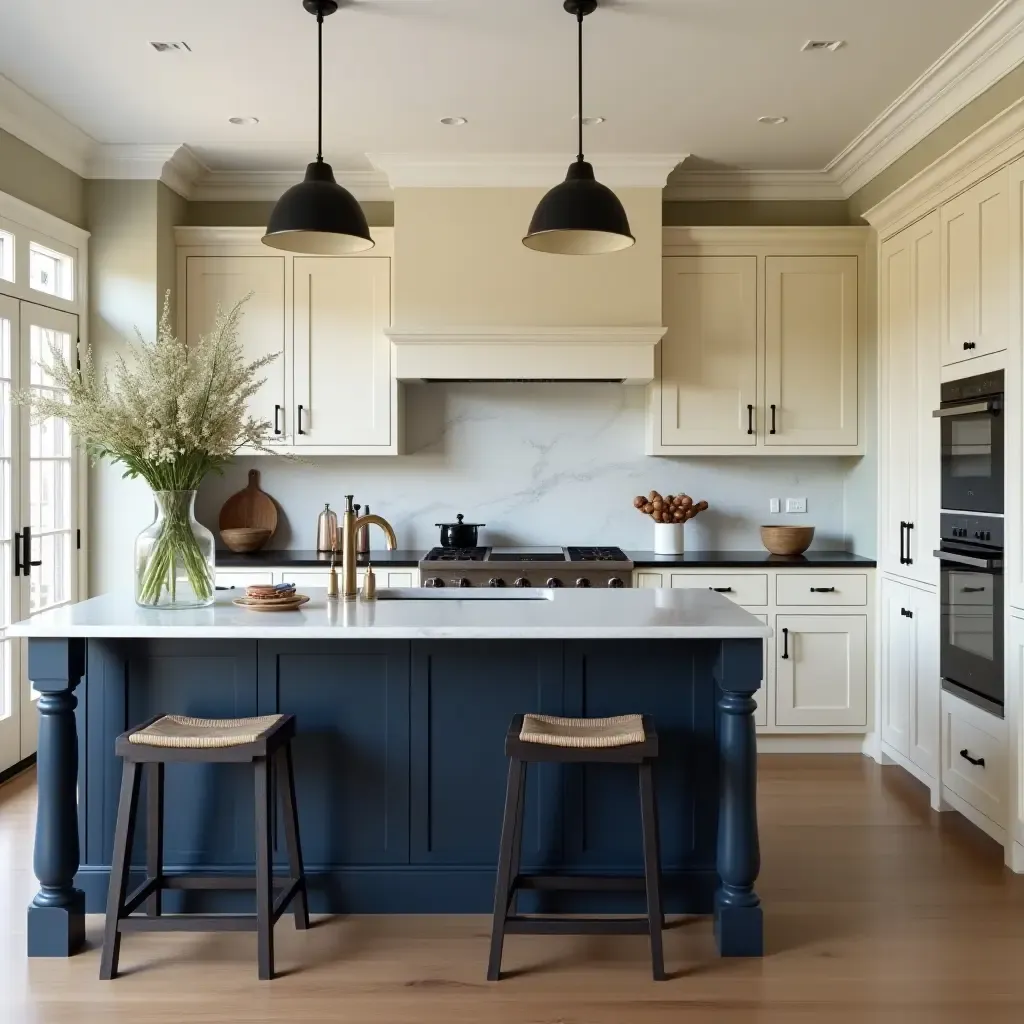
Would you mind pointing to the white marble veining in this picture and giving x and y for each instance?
(559, 614)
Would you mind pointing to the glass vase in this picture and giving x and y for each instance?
(174, 557)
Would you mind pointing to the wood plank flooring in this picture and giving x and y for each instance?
(876, 910)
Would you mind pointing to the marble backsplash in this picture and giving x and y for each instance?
(545, 464)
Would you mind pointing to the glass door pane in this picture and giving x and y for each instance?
(11, 687)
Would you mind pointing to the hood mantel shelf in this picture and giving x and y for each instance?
(623, 354)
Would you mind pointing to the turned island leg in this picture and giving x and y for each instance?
(56, 916)
(738, 918)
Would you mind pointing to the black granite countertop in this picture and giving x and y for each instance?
(642, 559)
(751, 560)
(295, 559)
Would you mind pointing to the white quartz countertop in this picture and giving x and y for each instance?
(567, 614)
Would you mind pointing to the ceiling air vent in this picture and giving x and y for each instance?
(823, 44)
(181, 47)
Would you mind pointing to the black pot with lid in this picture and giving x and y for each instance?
(459, 534)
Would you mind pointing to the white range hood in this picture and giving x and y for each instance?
(621, 354)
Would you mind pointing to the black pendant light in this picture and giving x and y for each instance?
(580, 217)
(318, 216)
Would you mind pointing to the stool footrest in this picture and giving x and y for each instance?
(141, 894)
(580, 883)
(577, 925)
(210, 881)
(189, 923)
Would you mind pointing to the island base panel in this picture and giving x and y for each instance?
(59, 931)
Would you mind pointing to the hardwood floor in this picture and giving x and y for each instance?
(876, 909)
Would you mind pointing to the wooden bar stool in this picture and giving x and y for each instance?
(626, 739)
(174, 738)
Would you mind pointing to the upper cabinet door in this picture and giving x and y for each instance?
(212, 281)
(811, 327)
(343, 386)
(709, 371)
(975, 270)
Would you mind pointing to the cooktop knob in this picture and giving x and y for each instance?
(554, 581)
(522, 582)
(464, 582)
(615, 582)
(583, 582)
(495, 581)
(434, 581)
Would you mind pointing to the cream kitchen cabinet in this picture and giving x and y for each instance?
(910, 686)
(821, 676)
(909, 357)
(975, 270)
(331, 391)
(312, 577)
(761, 354)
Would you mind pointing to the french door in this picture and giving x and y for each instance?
(39, 486)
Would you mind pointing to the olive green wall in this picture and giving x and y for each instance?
(256, 214)
(34, 178)
(744, 213)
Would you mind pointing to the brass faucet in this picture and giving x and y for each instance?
(350, 525)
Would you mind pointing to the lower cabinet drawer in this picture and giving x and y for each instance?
(827, 589)
(743, 588)
(399, 577)
(974, 757)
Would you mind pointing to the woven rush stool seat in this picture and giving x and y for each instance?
(623, 739)
(200, 733)
(265, 743)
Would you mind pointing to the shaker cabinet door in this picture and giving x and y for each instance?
(898, 664)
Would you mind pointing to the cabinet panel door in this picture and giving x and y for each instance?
(926, 684)
(898, 664)
(212, 281)
(811, 326)
(959, 278)
(648, 578)
(343, 386)
(709, 372)
(820, 670)
(992, 196)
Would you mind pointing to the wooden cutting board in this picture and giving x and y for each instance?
(250, 507)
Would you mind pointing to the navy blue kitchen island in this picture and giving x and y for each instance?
(402, 706)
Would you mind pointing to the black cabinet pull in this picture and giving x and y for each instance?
(973, 590)
(910, 561)
(903, 553)
(906, 613)
(277, 420)
(969, 345)
(785, 642)
(301, 431)
(823, 590)
(772, 431)
(750, 419)
(721, 590)
(979, 761)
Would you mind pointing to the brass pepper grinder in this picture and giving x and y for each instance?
(363, 536)
(332, 579)
(327, 530)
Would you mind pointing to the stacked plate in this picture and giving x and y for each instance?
(263, 597)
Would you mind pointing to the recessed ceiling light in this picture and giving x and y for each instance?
(772, 120)
(591, 120)
(244, 120)
(823, 44)
(453, 121)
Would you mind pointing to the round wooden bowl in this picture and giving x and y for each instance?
(787, 540)
(245, 538)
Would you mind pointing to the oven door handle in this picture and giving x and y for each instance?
(977, 563)
(968, 408)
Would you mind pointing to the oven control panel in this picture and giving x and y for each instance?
(980, 530)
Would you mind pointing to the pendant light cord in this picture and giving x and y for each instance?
(579, 84)
(320, 86)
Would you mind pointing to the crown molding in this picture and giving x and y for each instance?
(267, 186)
(202, 235)
(26, 118)
(517, 170)
(731, 186)
(850, 238)
(989, 50)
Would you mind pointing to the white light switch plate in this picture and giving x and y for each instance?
(796, 504)
(774, 506)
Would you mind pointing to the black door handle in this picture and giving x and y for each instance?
(17, 553)
(721, 590)
(772, 431)
(823, 590)
(979, 761)
(906, 613)
(277, 420)
(785, 642)
(750, 419)
(910, 561)
(301, 431)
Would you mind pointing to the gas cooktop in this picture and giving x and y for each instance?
(526, 554)
(527, 567)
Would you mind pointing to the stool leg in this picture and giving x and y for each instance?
(286, 782)
(517, 842)
(652, 868)
(124, 834)
(264, 871)
(503, 882)
(155, 834)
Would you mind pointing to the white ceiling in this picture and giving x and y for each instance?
(670, 76)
